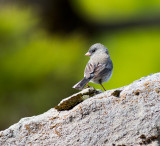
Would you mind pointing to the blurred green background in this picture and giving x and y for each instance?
(42, 47)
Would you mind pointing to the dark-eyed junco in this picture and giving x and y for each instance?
(99, 68)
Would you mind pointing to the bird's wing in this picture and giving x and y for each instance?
(97, 70)
(89, 70)
(101, 70)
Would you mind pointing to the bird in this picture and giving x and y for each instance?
(99, 68)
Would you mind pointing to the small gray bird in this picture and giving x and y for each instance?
(99, 68)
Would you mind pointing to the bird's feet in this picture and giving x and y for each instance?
(87, 86)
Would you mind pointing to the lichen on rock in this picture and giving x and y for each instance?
(77, 98)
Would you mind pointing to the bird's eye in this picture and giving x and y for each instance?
(94, 50)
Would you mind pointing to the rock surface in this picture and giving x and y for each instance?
(126, 116)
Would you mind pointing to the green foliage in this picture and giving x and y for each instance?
(117, 10)
(36, 70)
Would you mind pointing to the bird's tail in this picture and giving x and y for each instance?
(80, 85)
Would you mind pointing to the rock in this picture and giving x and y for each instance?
(127, 116)
(72, 101)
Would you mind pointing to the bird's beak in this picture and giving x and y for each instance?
(88, 54)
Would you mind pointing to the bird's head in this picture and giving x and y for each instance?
(96, 49)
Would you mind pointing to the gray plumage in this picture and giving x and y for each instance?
(99, 68)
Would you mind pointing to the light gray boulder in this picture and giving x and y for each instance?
(127, 116)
